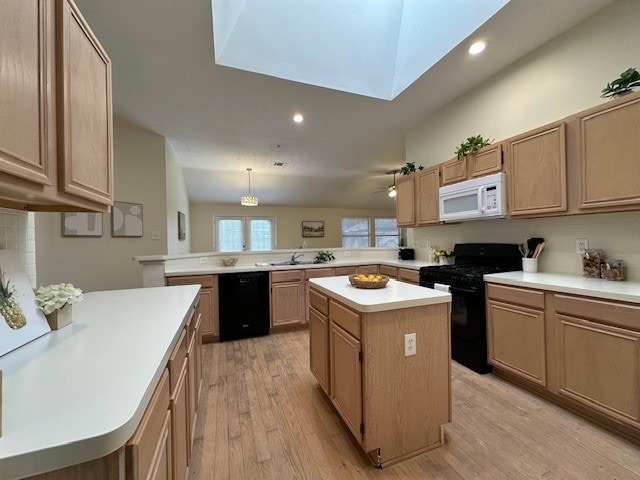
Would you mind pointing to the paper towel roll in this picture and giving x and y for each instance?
(441, 287)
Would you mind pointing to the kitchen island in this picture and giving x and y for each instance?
(383, 359)
(72, 399)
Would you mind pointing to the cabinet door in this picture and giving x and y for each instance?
(319, 348)
(409, 276)
(609, 149)
(27, 113)
(391, 272)
(85, 130)
(206, 307)
(517, 340)
(199, 380)
(405, 200)
(454, 170)
(180, 426)
(368, 269)
(599, 366)
(487, 160)
(344, 271)
(193, 385)
(286, 304)
(346, 378)
(537, 171)
(161, 467)
(427, 191)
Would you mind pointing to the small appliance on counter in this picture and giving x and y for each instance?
(406, 254)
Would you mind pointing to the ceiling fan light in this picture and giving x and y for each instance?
(392, 191)
(249, 200)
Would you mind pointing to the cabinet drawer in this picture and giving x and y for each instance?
(614, 313)
(389, 271)
(347, 319)
(408, 275)
(141, 448)
(318, 272)
(519, 296)
(286, 276)
(176, 360)
(202, 280)
(191, 325)
(345, 271)
(319, 301)
(368, 269)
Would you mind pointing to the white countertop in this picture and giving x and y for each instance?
(79, 393)
(592, 287)
(208, 269)
(394, 296)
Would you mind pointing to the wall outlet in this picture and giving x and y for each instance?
(426, 244)
(416, 244)
(582, 244)
(409, 344)
(155, 235)
(347, 253)
(202, 260)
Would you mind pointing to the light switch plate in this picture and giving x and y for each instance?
(155, 235)
(582, 244)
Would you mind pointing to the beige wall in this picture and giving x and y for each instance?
(106, 263)
(177, 201)
(288, 223)
(559, 79)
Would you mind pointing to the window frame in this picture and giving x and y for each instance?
(246, 231)
(371, 237)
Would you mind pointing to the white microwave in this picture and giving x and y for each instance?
(482, 197)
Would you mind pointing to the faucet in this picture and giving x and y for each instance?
(295, 256)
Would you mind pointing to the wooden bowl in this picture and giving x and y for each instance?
(229, 262)
(368, 284)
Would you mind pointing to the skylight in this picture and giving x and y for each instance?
(375, 48)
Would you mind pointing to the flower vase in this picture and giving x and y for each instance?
(60, 318)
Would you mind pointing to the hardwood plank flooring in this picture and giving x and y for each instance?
(263, 416)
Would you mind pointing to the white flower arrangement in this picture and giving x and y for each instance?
(54, 297)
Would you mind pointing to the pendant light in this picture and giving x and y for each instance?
(391, 191)
(249, 200)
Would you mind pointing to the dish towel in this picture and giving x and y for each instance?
(441, 287)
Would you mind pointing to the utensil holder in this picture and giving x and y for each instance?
(530, 265)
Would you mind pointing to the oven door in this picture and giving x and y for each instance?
(468, 318)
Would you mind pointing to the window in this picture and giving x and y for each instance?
(365, 231)
(236, 234)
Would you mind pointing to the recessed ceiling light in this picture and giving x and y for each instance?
(477, 47)
(298, 118)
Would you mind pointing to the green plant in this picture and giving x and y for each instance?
(624, 83)
(410, 167)
(324, 256)
(472, 145)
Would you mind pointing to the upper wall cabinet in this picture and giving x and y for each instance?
(405, 200)
(427, 184)
(537, 172)
(606, 154)
(55, 132)
(486, 161)
(454, 170)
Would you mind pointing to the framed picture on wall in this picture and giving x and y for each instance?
(312, 228)
(81, 224)
(126, 219)
(182, 226)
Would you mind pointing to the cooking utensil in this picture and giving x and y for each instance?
(532, 243)
(524, 251)
(538, 250)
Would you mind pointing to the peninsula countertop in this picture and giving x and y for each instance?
(394, 296)
(78, 393)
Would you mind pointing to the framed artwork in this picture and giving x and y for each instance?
(126, 219)
(312, 228)
(81, 224)
(182, 226)
(20, 319)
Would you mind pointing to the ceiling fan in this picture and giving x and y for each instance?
(391, 189)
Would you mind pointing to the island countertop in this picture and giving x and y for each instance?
(394, 296)
(78, 393)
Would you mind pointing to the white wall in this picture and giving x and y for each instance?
(556, 80)
(106, 263)
(177, 201)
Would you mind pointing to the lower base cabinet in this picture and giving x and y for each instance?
(319, 347)
(181, 426)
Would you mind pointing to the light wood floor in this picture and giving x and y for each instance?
(263, 416)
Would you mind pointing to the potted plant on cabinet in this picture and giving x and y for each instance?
(472, 145)
(625, 83)
(409, 168)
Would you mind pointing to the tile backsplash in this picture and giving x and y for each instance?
(18, 233)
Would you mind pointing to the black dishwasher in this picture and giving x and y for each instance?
(244, 305)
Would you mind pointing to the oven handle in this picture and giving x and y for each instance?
(462, 290)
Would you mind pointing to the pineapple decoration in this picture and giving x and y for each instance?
(9, 308)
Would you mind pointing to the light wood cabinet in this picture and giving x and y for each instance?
(207, 303)
(427, 186)
(319, 347)
(338, 271)
(55, 116)
(486, 161)
(346, 378)
(180, 425)
(368, 269)
(537, 172)
(454, 170)
(391, 272)
(287, 298)
(405, 200)
(313, 273)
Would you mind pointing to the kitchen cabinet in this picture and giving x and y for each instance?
(287, 298)
(180, 425)
(391, 272)
(516, 331)
(408, 275)
(427, 203)
(207, 303)
(485, 161)
(56, 110)
(537, 172)
(454, 170)
(368, 269)
(338, 271)
(319, 339)
(405, 200)
(313, 273)
(604, 150)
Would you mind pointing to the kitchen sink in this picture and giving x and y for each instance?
(295, 262)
